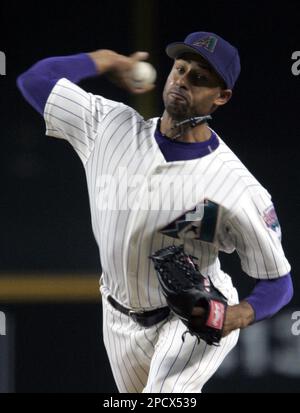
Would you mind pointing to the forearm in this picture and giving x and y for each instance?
(267, 298)
(107, 60)
(238, 316)
(37, 82)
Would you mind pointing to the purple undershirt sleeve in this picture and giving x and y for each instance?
(37, 82)
(269, 296)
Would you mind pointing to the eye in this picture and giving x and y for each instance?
(200, 76)
(180, 69)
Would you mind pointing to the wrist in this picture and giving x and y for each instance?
(104, 60)
(246, 314)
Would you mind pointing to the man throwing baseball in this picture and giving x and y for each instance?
(167, 188)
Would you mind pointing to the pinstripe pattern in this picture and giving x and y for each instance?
(258, 246)
(209, 363)
(155, 360)
(110, 137)
(175, 366)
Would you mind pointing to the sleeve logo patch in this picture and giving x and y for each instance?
(271, 220)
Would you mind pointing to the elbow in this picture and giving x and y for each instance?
(290, 292)
(30, 87)
(20, 82)
(23, 83)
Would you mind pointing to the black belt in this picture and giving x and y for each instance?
(144, 318)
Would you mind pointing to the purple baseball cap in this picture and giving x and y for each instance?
(221, 55)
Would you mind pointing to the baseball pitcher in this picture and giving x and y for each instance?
(166, 195)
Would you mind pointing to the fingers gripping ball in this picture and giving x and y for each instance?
(143, 74)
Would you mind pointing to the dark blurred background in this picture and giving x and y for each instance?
(54, 344)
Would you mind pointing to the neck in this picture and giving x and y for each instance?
(199, 133)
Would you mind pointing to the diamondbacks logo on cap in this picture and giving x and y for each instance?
(209, 43)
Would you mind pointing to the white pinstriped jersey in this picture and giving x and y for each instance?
(115, 142)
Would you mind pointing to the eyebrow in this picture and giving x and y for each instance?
(204, 66)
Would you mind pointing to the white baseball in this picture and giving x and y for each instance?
(142, 74)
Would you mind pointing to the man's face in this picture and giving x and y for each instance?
(191, 88)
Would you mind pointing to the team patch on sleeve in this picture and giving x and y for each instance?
(271, 220)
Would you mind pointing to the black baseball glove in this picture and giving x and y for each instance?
(185, 288)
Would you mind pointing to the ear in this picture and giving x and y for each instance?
(224, 97)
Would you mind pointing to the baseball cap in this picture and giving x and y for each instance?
(221, 55)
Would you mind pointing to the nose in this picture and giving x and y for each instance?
(181, 80)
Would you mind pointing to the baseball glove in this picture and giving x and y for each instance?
(185, 288)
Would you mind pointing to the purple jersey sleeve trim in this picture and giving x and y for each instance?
(269, 296)
(37, 82)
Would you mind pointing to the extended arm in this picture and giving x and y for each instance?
(37, 82)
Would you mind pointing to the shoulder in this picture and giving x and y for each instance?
(70, 93)
(241, 186)
(234, 165)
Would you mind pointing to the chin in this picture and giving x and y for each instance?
(177, 112)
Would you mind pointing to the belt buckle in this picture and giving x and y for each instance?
(134, 314)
